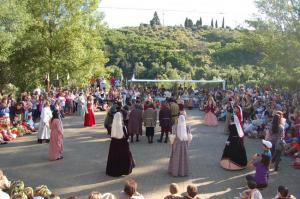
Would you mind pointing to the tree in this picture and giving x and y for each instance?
(13, 22)
(188, 23)
(155, 20)
(212, 23)
(63, 37)
(216, 24)
(199, 23)
(223, 23)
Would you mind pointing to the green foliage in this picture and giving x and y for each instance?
(60, 37)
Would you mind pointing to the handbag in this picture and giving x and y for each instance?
(172, 138)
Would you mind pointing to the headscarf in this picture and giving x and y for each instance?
(181, 129)
(117, 126)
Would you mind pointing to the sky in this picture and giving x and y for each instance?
(120, 13)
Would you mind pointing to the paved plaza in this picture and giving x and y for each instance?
(83, 168)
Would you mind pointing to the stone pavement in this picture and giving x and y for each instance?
(83, 168)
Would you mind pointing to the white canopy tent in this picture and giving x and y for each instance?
(180, 81)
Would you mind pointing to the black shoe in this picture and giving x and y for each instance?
(48, 140)
(159, 141)
(61, 157)
(166, 141)
(40, 141)
(137, 140)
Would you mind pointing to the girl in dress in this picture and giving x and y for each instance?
(56, 145)
(119, 161)
(44, 126)
(210, 118)
(80, 104)
(178, 164)
(89, 117)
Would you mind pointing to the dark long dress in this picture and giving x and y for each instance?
(234, 155)
(119, 161)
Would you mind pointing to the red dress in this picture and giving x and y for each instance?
(89, 117)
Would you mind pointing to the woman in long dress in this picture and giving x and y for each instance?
(56, 145)
(119, 161)
(44, 126)
(178, 164)
(80, 105)
(210, 118)
(234, 155)
(89, 117)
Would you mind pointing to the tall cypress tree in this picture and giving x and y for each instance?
(212, 23)
(155, 20)
(186, 22)
(223, 23)
(200, 21)
(216, 24)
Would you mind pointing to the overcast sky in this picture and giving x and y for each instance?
(119, 13)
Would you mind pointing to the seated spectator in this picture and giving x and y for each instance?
(20, 195)
(4, 182)
(95, 195)
(30, 123)
(283, 193)
(130, 191)
(4, 195)
(29, 192)
(261, 164)
(174, 192)
(192, 192)
(108, 196)
(42, 191)
(245, 194)
(53, 196)
(293, 147)
(254, 192)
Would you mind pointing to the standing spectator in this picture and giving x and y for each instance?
(149, 118)
(277, 137)
(130, 191)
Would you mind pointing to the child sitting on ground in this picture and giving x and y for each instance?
(174, 192)
(283, 193)
(30, 124)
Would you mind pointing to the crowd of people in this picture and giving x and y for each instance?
(266, 113)
(18, 190)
